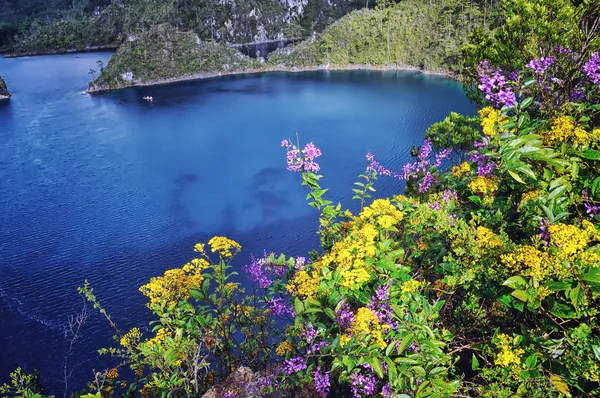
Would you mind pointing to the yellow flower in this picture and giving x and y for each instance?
(367, 324)
(508, 356)
(568, 238)
(490, 119)
(463, 168)
(112, 374)
(131, 338)
(531, 261)
(528, 196)
(410, 286)
(283, 348)
(304, 285)
(565, 129)
(226, 247)
(160, 340)
(483, 185)
(487, 238)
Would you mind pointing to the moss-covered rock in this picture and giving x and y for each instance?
(412, 33)
(3, 89)
(164, 54)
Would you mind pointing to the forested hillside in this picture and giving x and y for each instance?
(48, 26)
(422, 34)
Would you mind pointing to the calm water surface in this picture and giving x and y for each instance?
(115, 190)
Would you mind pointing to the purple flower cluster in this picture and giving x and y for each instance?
(293, 365)
(317, 347)
(386, 391)
(422, 166)
(345, 316)
(561, 50)
(300, 262)
(278, 307)
(448, 195)
(380, 305)
(485, 164)
(592, 68)
(362, 384)
(494, 85)
(302, 160)
(309, 333)
(591, 209)
(540, 66)
(544, 234)
(321, 382)
(261, 270)
(229, 395)
(377, 167)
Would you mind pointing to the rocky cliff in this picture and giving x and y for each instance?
(3, 89)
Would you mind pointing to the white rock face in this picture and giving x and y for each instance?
(127, 76)
(261, 35)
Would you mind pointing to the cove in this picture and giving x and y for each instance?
(115, 190)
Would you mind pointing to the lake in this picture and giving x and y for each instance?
(114, 189)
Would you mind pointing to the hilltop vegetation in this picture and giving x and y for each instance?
(428, 35)
(163, 53)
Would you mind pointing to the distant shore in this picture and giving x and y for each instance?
(201, 76)
(90, 49)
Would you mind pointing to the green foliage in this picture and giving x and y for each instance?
(390, 36)
(455, 130)
(23, 385)
(164, 53)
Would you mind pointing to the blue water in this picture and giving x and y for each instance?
(115, 190)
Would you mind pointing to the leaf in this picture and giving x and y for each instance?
(516, 176)
(520, 294)
(560, 385)
(329, 312)
(298, 307)
(516, 282)
(563, 311)
(376, 365)
(596, 350)
(592, 277)
(526, 102)
(405, 343)
(591, 154)
(474, 363)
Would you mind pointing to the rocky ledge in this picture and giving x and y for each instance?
(4, 94)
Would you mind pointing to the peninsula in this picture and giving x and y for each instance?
(4, 94)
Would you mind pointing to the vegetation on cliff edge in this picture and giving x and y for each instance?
(3, 89)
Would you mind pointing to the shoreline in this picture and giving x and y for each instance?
(92, 49)
(293, 69)
(4, 97)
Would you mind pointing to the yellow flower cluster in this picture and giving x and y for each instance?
(483, 185)
(131, 338)
(490, 118)
(410, 286)
(367, 324)
(160, 340)
(508, 356)
(112, 374)
(485, 237)
(226, 247)
(304, 285)
(570, 239)
(283, 348)
(531, 261)
(565, 129)
(350, 254)
(463, 168)
(175, 284)
(528, 196)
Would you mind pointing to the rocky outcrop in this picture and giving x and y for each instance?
(164, 54)
(4, 94)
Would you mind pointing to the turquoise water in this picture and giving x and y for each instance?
(115, 190)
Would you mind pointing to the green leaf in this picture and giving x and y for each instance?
(525, 104)
(329, 312)
(376, 365)
(516, 282)
(592, 277)
(591, 154)
(520, 294)
(405, 342)
(560, 385)
(516, 176)
(298, 306)
(563, 311)
(596, 350)
(474, 363)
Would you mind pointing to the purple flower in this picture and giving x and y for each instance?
(449, 195)
(591, 209)
(345, 316)
(376, 167)
(386, 391)
(494, 86)
(316, 347)
(229, 395)
(256, 274)
(278, 307)
(441, 156)
(293, 365)
(321, 382)
(540, 66)
(309, 333)
(485, 164)
(427, 182)
(544, 234)
(592, 68)
(302, 160)
(362, 384)
(435, 206)
(300, 261)
(561, 50)
(380, 305)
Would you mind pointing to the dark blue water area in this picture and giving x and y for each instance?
(114, 189)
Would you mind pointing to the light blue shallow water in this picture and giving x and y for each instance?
(115, 190)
